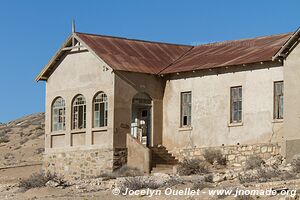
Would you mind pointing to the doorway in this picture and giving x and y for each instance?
(141, 118)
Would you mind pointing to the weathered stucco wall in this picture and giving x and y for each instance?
(127, 85)
(86, 152)
(139, 156)
(80, 73)
(211, 108)
(292, 103)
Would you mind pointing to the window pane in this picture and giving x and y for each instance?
(278, 100)
(236, 104)
(100, 110)
(58, 114)
(186, 108)
(102, 114)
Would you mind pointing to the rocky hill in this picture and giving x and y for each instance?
(22, 140)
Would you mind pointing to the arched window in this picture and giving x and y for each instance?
(79, 112)
(100, 110)
(58, 114)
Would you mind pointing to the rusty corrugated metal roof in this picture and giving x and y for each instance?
(229, 53)
(133, 55)
(163, 58)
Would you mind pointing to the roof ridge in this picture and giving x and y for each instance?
(177, 59)
(244, 39)
(138, 40)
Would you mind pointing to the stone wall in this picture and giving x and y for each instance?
(82, 164)
(120, 158)
(235, 154)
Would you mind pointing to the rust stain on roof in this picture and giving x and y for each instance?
(133, 55)
(163, 58)
(229, 53)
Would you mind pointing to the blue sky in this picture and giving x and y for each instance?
(31, 31)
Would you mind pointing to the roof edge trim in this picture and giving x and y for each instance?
(289, 44)
(40, 76)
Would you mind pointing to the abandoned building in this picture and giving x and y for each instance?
(112, 101)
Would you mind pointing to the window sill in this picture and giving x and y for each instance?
(277, 121)
(186, 128)
(235, 124)
(58, 133)
(100, 128)
(78, 131)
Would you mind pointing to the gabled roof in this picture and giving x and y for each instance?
(122, 54)
(229, 53)
(163, 58)
(133, 55)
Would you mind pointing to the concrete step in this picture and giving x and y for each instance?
(162, 160)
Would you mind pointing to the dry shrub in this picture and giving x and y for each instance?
(39, 150)
(247, 178)
(259, 175)
(40, 179)
(200, 185)
(4, 139)
(173, 181)
(254, 162)
(23, 140)
(213, 155)
(192, 166)
(208, 178)
(296, 165)
(138, 183)
(265, 175)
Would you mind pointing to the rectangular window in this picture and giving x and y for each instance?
(278, 100)
(186, 109)
(236, 104)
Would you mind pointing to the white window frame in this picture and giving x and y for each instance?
(78, 113)
(58, 115)
(236, 105)
(278, 100)
(186, 109)
(100, 110)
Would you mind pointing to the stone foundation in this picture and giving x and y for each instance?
(120, 158)
(235, 154)
(82, 164)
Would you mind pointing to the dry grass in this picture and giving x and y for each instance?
(192, 166)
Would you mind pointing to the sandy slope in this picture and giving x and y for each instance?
(21, 143)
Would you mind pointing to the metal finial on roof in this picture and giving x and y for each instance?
(73, 26)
